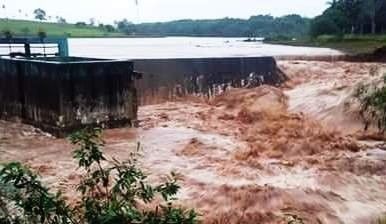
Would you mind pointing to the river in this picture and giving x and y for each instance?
(184, 47)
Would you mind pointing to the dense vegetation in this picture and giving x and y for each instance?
(352, 26)
(351, 17)
(113, 193)
(255, 26)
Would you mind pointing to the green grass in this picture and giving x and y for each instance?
(350, 44)
(31, 28)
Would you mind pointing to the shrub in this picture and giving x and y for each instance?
(23, 199)
(7, 34)
(81, 24)
(112, 194)
(372, 98)
(25, 30)
(42, 34)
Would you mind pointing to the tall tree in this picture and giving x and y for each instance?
(40, 14)
(61, 20)
(92, 21)
(351, 10)
(351, 16)
(371, 9)
(125, 26)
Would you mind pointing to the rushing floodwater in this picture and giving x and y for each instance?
(184, 47)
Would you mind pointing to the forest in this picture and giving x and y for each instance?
(351, 17)
(255, 26)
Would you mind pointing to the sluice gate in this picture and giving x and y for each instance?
(169, 79)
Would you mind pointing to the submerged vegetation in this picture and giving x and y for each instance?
(372, 98)
(118, 193)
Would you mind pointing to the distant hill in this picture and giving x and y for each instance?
(31, 28)
(289, 26)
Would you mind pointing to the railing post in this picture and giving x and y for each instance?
(27, 49)
(63, 47)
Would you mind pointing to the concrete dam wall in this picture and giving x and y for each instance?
(60, 95)
(168, 79)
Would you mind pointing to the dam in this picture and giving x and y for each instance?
(60, 94)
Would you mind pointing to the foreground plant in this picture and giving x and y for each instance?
(23, 199)
(112, 192)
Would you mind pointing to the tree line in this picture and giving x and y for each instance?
(341, 17)
(255, 26)
(351, 17)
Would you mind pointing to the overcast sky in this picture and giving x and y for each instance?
(107, 11)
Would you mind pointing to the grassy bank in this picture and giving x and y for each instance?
(31, 28)
(349, 44)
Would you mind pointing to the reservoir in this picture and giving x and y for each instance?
(185, 47)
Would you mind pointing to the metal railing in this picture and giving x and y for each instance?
(33, 47)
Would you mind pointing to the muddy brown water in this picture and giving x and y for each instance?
(247, 156)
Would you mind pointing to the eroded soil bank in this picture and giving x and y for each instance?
(257, 155)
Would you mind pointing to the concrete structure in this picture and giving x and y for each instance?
(60, 94)
(166, 79)
(65, 93)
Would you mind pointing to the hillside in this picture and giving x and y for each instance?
(255, 26)
(31, 28)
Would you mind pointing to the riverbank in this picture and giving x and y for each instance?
(31, 28)
(352, 45)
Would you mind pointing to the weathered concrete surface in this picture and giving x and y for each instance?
(166, 79)
(62, 94)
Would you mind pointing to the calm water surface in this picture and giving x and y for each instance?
(184, 47)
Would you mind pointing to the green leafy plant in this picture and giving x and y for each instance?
(111, 192)
(23, 197)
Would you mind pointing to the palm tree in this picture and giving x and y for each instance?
(371, 8)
